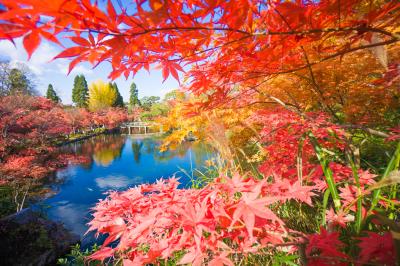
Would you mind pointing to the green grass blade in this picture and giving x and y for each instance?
(324, 162)
(325, 206)
(393, 164)
(358, 220)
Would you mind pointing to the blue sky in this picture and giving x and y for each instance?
(55, 72)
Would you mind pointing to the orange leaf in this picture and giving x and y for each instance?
(178, 67)
(80, 41)
(49, 36)
(111, 11)
(74, 63)
(93, 56)
(156, 5)
(165, 72)
(31, 43)
(70, 52)
(174, 73)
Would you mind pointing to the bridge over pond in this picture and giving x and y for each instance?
(140, 127)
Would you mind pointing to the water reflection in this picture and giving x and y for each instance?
(107, 150)
(115, 163)
(136, 147)
(114, 182)
(69, 213)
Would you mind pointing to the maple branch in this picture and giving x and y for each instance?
(317, 87)
(318, 91)
(280, 102)
(313, 79)
(341, 53)
(147, 31)
(175, 28)
(361, 47)
(360, 29)
(367, 129)
(211, 48)
(254, 103)
(250, 89)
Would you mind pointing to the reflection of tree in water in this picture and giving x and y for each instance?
(151, 146)
(136, 147)
(108, 149)
(200, 151)
(103, 149)
(180, 151)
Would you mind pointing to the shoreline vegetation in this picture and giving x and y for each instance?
(81, 136)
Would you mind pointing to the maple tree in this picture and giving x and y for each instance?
(27, 124)
(298, 71)
(30, 127)
(242, 42)
(78, 118)
(178, 127)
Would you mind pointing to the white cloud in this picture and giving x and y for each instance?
(67, 172)
(43, 67)
(39, 62)
(72, 216)
(114, 182)
(7, 49)
(63, 66)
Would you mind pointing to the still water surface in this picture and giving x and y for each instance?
(115, 162)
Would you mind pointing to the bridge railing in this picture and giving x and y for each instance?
(140, 124)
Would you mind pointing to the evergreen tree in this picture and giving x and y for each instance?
(80, 91)
(18, 80)
(52, 95)
(134, 97)
(119, 101)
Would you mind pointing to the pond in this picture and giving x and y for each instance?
(115, 162)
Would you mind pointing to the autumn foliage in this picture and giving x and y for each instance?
(170, 220)
(30, 126)
(26, 124)
(231, 216)
(298, 88)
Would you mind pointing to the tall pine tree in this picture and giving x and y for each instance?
(119, 101)
(134, 97)
(52, 95)
(80, 91)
